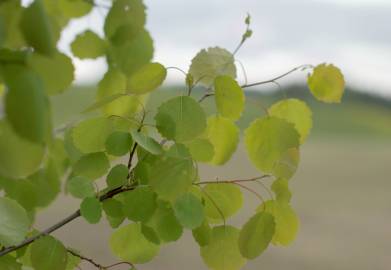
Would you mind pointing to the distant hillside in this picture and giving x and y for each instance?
(360, 115)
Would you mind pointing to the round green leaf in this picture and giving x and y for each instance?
(280, 187)
(165, 224)
(210, 63)
(26, 104)
(113, 208)
(202, 234)
(222, 252)
(267, 139)
(92, 166)
(172, 177)
(224, 136)
(117, 177)
(47, 253)
(125, 20)
(14, 222)
(147, 78)
(56, 71)
(201, 150)
(222, 200)
(80, 187)
(88, 45)
(287, 222)
(296, 112)
(90, 135)
(189, 211)
(178, 150)
(36, 28)
(139, 204)
(147, 143)
(18, 157)
(326, 83)
(75, 8)
(133, 54)
(180, 119)
(288, 163)
(8, 262)
(129, 244)
(118, 143)
(256, 235)
(229, 97)
(91, 209)
(111, 92)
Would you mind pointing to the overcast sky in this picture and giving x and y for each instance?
(353, 34)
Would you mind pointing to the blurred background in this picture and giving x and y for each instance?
(342, 189)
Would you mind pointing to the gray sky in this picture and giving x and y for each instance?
(353, 34)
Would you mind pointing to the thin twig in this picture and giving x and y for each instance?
(253, 179)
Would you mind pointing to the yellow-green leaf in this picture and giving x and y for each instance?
(147, 78)
(326, 83)
(229, 97)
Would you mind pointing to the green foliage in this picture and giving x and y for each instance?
(52, 250)
(180, 119)
(267, 139)
(148, 156)
(222, 251)
(256, 235)
(88, 45)
(327, 83)
(14, 223)
(229, 97)
(130, 244)
(91, 209)
(210, 63)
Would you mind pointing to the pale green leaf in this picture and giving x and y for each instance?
(47, 253)
(172, 177)
(165, 224)
(210, 63)
(189, 211)
(8, 262)
(133, 54)
(222, 252)
(280, 187)
(14, 222)
(146, 79)
(18, 157)
(147, 143)
(180, 119)
(125, 20)
(80, 187)
(91, 209)
(224, 136)
(117, 176)
(26, 104)
(256, 235)
(326, 83)
(139, 204)
(75, 8)
(202, 234)
(296, 112)
(267, 139)
(112, 97)
(88, 45)
(229, 97)
(56, 71)
(201, 150)
(118, 143)
(129, 244)
(287, 222)
(92, 166)
(90, 135)
(222, 201)
(36, 28)
(288, 163)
